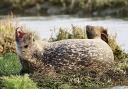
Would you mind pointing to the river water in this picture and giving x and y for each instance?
(44, 25)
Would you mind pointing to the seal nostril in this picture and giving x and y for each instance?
(26, 46)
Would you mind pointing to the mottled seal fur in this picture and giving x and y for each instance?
(37, 55)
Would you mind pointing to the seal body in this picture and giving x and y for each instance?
(72, 54)
(67, 54)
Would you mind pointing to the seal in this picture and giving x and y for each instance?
(70, 54)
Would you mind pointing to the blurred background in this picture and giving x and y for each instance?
(81, 8)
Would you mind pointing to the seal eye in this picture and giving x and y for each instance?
(33, 39)
(26, 46)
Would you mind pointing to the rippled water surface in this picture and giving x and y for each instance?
(44, 25)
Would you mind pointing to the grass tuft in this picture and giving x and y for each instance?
(9, 64)
(18, 82)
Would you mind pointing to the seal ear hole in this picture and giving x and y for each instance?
(104, 37)
(33, 39)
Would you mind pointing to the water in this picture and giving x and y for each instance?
(44, 25)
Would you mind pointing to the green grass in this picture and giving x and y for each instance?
(18, 82)
(9, 64)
